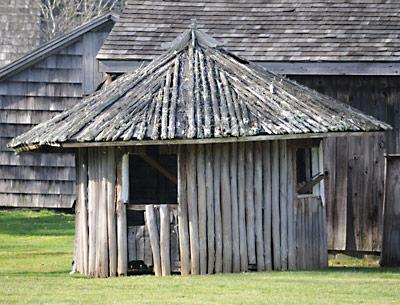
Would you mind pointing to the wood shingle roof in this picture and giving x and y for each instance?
(198, 91)
(264, 30)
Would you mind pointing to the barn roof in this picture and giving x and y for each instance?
(264, 30)
(198, 91)
(53, 45)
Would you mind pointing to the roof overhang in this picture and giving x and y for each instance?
(75, 145)
(283, 67)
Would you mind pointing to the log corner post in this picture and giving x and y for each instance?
(122, 198)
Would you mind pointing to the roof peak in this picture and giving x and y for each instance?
(193, 35)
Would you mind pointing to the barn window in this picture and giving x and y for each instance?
(308, 170)
(152, 177)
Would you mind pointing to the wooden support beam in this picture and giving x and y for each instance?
(217, 207)
(242, 208)
(226, 210)
(276, 239)
(235, 207)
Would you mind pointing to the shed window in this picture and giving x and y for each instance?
(308, 173)
(152, 178)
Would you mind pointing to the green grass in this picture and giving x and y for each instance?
(35, 259)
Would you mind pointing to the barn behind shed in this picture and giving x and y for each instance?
(34, 89)
(230, 149)
(348, 50)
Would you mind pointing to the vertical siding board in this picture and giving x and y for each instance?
(283, 204)
(184, 243)
(267, 209)
(226, 209)
(291, 192)
(242, 208)
(235, 208)
(258, 205)
(276, 239)
(217, 206)
(250, 203)
(193, 210)
(202, 207)
(210, 208)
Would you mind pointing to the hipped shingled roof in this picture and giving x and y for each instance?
(264, 30)
(197, 91)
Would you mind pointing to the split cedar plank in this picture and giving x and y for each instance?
(210, 208)
(390, 256)
(283, 178)
(92, 208)
(140, 243)
(193, 210)
(111, 216)
(174, 244)
(242, 208)
(276, 240)
(226, 210)
(202, 207)
(165, 237)
(336, 184)
(82, 196)
(132, 243)
(147, 253)
(291, 193)
(217, 207)
(258, 206)
(77, 257)
(251, 252)
(267, 204)
(235, 207)
(183, 226)
(102, 236)
(122, 239)
(154, 239)
(322, 250)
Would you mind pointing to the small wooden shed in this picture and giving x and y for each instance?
(223, 157)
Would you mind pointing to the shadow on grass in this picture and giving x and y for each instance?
(36, 224)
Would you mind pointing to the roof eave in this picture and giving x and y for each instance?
(36, 147)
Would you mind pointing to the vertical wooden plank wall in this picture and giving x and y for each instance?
(101, 231)
(390, 256)
(252, 202)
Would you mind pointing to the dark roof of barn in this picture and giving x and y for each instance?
(195, 91)
(264, 30)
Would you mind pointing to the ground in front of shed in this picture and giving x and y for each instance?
(35, 260)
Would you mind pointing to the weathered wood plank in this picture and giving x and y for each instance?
(184, 244)
(217, 206)
(283, 204)
(122, 238)
(154, 239)
(250, 220)
(258, 205)
(242, 208)
(193, 210)
(226, 210)
(210, 208)
(235, 208)
(165, 237)
(267, 209)
(111, 215)
(276, 239)
(202, 207)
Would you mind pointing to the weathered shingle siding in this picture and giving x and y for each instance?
(264, 30)
(32, 96)
(19, 29)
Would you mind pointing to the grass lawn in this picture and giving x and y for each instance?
(35, 259)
